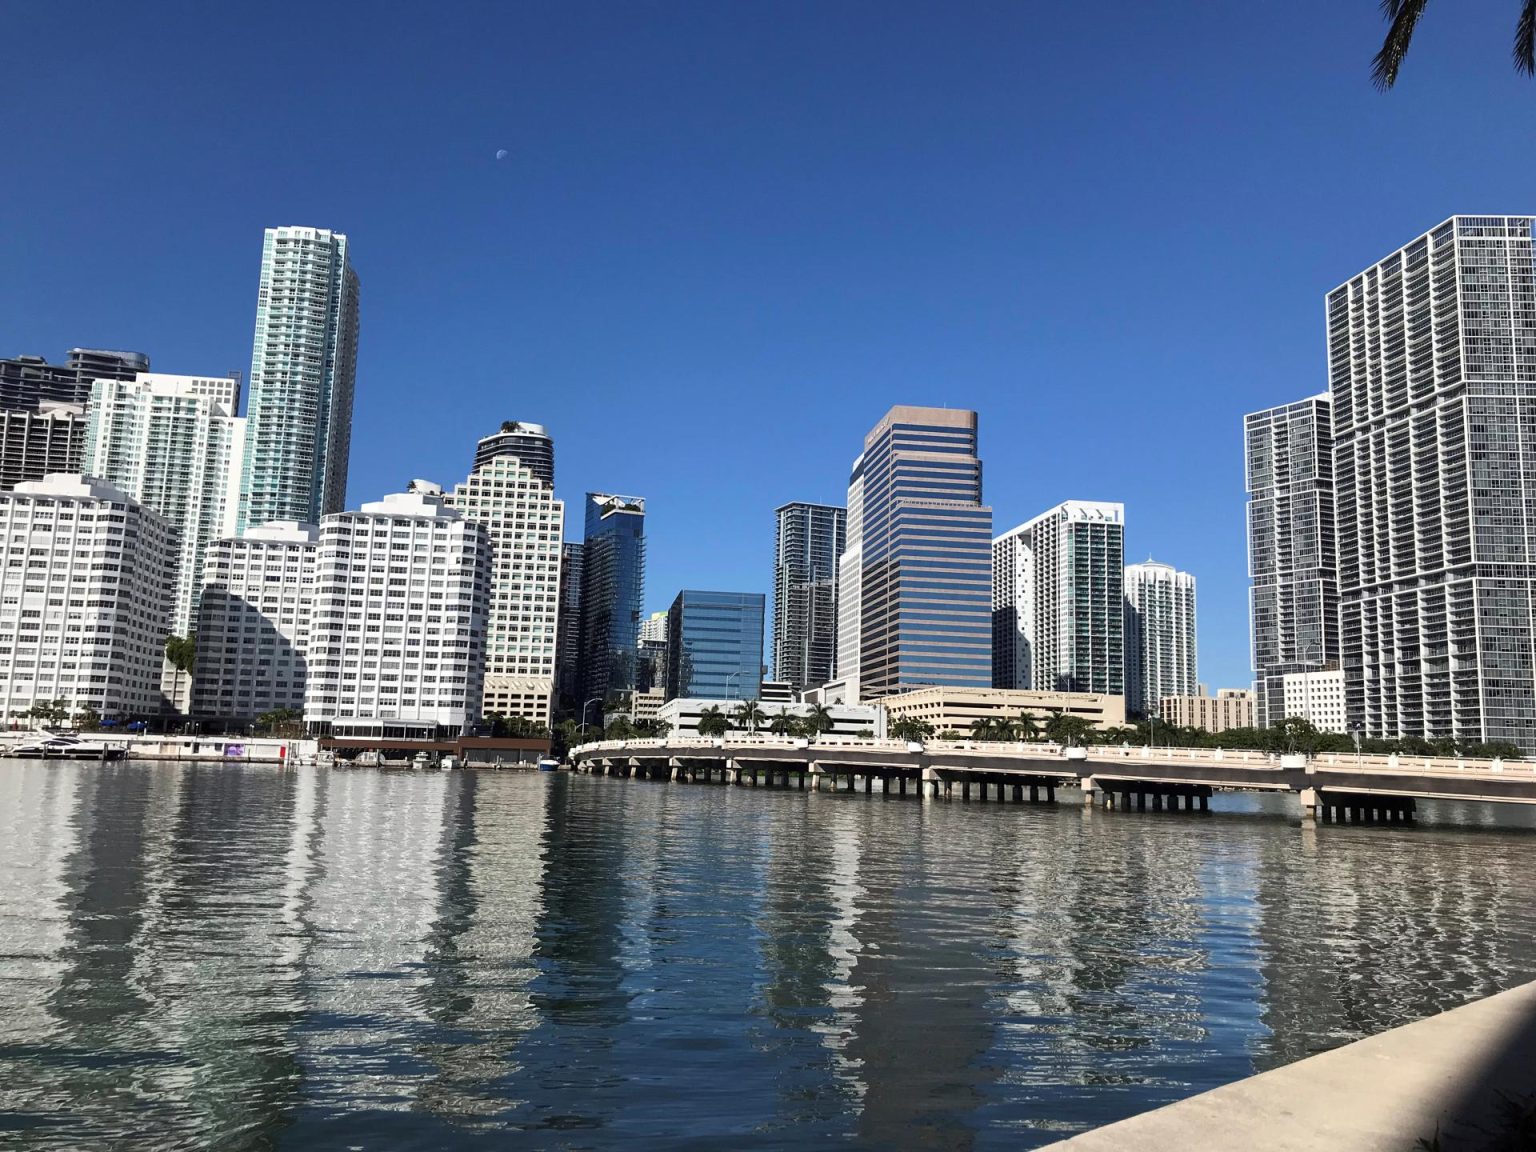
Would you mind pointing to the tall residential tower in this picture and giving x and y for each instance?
(808, 541)
(303, 368)
(1159, 636)
(612, 593)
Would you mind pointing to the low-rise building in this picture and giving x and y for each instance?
(253, 622)
(1317, 697)
(84, 599)
(402, 591)
(776, 692)
(955, 709)
(683, 715)
(1229, 708)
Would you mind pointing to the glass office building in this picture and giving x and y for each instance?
(612, 591)
(715, 645)
(809, 539)
(919, 557)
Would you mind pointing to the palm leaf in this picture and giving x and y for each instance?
(1404, 15)
(1525, 39)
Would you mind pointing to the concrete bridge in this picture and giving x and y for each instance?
(1331, 787)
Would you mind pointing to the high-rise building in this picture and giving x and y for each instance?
(253, 622)
(1159, 635)
(715, 645)
(1294, 598)
(83, 615)
(514, 498)
(850, 588)
(1432, 369)
(1058, 601)
(303, 369)
(612, 592)
(42, 410)
(807, 544)
(651, 658)
(917, 554)
(568, 629)
(175, 444)
(398, 626)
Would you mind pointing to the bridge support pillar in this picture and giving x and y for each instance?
(731, 774)
(1309, 804)
(1089, 786)
(815, 772)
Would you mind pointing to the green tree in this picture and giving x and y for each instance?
(88, 719)
(713, 722)
(181, 651)
(910, 728)
(817, 720)
(619, 728)
(1064, 728)
(282, 722)
(1026, 727)
(783, 724)
(1403, 17)
(748, 715)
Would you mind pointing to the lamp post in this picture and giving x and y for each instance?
(731, 676)
(584, 707)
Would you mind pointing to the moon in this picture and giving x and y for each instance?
(501, 153)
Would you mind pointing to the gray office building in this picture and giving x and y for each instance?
(807, 543)
(1293, 599)
(42, 409)
(1432, 369)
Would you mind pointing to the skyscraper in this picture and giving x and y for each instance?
(1159, 636)
(174, 444)
(42, 409)
(612, 592)
(715, 645)
(303, 368)
(1294, 600)
(808, 542)
(1058, 601)
(568, 629)
(1432, 368)
(515, 501)
(918, 535)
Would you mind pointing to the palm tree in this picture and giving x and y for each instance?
(1065, 728)
(1404, 18)
(817, 721)
(1026, 727)
(984, 728)
(910, 728)
(783, 724)
(181, 651)
(712, 722)
(749, 715)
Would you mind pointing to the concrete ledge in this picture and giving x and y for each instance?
(1455, 1074)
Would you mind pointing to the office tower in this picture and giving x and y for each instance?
(612, 591)
(85, 604)
(175, 444)
(568, 629)
(397, 632)
(1294, 599)
(850, 588)
(42, 410)
(258, 591)
(715, 645)
(303, 367)
(1432, 369)
(1058, 601)
(917, 557)
(515, 501)
(807, 543)
(1159, 635)
(529, 443)
(651, 658)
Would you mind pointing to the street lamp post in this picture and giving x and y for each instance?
(731, 676)
(584, 707)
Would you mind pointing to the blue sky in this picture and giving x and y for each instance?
(728, 236)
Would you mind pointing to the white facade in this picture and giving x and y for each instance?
(303, 368)
(683, 713)
(653, 629)
(1058, 601)
(175, 444)
(523, 523)
(850, 591)
(1317, 697)
(402, 589)
(84, 598)
(1159, 635)
(253, 624)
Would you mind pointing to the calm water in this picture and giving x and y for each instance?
(202, 956)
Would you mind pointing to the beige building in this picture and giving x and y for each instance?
(1229, 708)
(956, 708)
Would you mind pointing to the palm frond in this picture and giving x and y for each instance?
(1525, 39)
(1404, 15)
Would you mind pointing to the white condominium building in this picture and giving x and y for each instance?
(514, 499)
(175, 444)
(253, 623)
(850, 588)
(398, 627)
(1432, 368)
(1318, 698)
(1159, 635)
(303, 369)
(84, 598)
(1058, 601)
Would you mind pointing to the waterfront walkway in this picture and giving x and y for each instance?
(1464, 1079)
(1330, 787)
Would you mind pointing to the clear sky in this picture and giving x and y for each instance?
(727, 236)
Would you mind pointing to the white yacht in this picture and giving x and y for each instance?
(66, 746)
